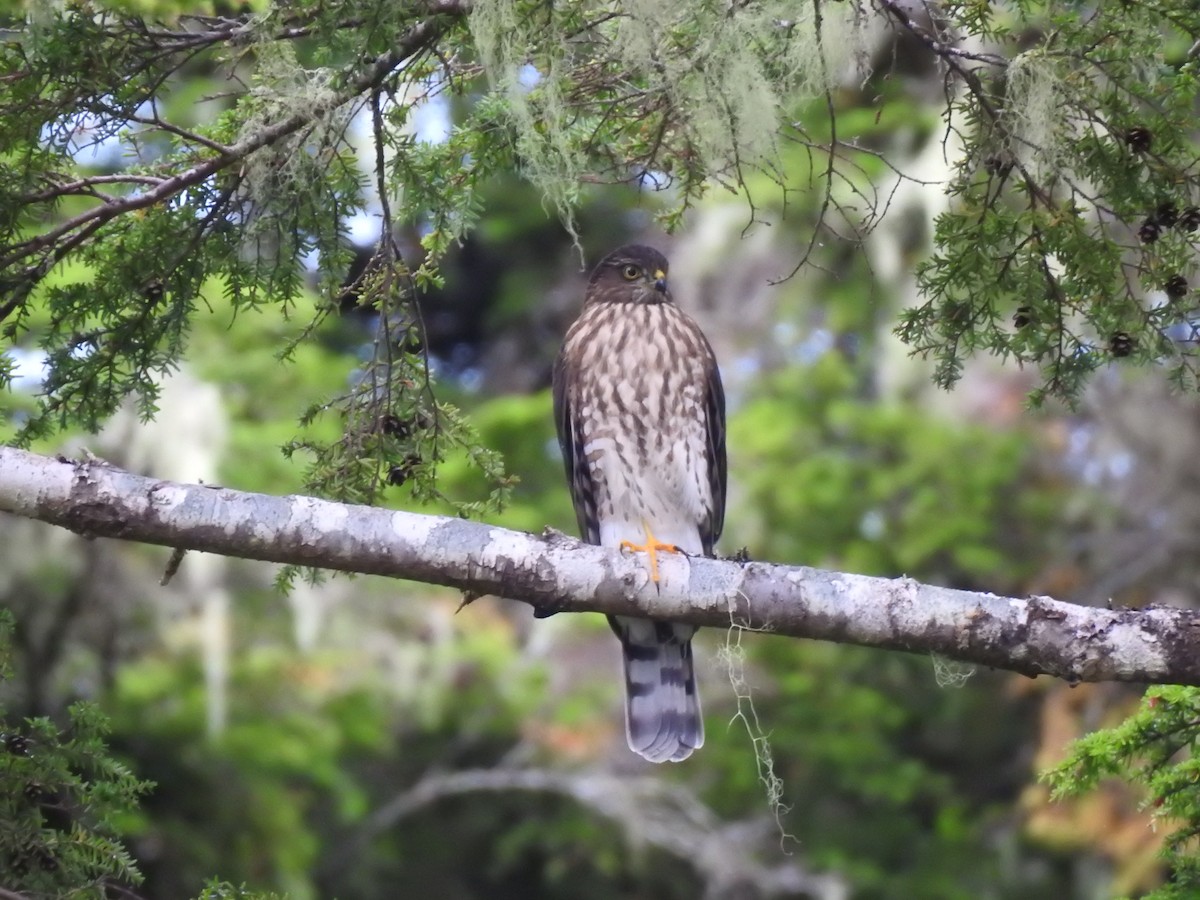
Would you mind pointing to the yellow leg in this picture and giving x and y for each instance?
(652, 547)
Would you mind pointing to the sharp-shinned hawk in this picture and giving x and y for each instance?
(641, 421)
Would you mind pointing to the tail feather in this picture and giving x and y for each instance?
(662, 708)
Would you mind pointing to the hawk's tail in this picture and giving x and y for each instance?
(662, 708)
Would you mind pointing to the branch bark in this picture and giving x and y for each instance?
(1032, 636)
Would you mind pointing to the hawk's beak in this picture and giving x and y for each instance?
(660, 281)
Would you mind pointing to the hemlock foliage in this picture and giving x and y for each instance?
(65, 801)
(1070, 237)
(1155, 748)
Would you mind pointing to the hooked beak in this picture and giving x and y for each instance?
(660, 281)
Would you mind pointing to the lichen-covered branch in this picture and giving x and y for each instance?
(1036, 635)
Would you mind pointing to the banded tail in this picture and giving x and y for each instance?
(662, 709)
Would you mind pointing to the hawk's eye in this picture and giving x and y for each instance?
(631, 272)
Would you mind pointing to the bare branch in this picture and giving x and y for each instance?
(1032, 636)
(946, 51)
(85, 185)
(649, 811)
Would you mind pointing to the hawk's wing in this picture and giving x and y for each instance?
(714, 424)
(571, 442)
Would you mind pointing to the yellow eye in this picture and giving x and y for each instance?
(631, 273)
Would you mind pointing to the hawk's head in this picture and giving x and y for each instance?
(630, 274)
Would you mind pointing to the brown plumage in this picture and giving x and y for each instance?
(641, 421)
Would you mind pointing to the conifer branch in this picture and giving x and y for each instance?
(55, 243)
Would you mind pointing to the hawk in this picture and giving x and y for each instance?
(640, 413)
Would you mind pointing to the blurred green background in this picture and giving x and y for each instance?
(360, 738)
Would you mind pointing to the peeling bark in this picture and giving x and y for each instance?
(1032, 636)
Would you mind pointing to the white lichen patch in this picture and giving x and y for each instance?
(906, 590)
(1021, 609)
(576, 571)
(1127, 645)
(504, 544)
(168, 496)
(413, 529)
(674, 578)
(320, 516)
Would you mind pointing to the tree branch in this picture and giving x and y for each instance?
(1032, 636)
(649, 811)
(69, 234)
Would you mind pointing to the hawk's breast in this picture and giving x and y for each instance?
(640, 403)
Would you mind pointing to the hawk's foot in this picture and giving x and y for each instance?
(652, 548)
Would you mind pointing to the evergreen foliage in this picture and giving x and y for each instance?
(64, 800)
(236, 202)
(1154, 749)
(1070, 237)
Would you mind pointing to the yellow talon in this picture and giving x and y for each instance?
(652, 547)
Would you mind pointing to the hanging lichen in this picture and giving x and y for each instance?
(700, 89)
